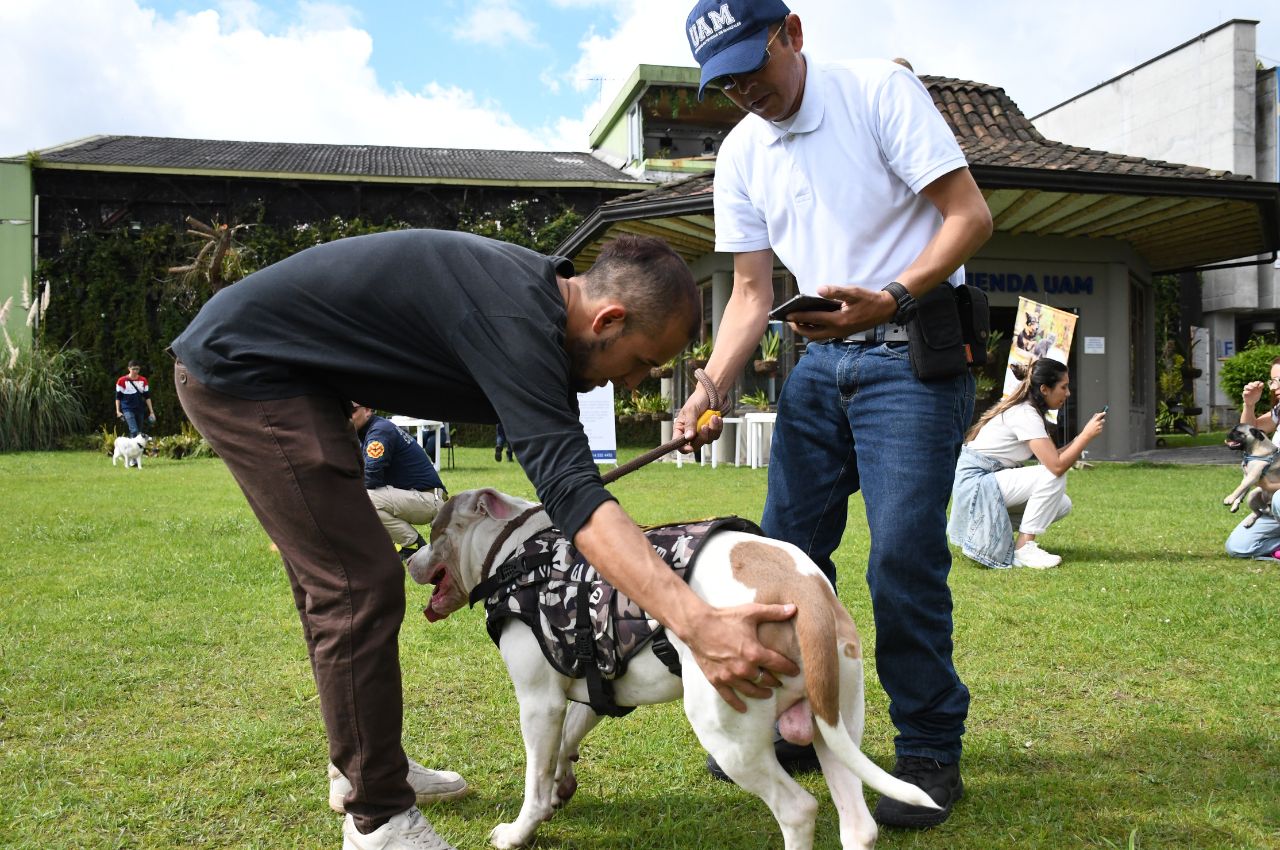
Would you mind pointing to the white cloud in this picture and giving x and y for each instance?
(113, 68)
(1040, 54)
(495, 23)
(246, 71)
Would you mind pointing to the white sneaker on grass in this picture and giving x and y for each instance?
(430, 786)
(408, 830)
(1029, 554)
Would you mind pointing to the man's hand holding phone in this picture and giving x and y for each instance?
(804, 304)
(844, 310)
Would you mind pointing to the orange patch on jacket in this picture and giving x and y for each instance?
(375, 449)
(820, 625)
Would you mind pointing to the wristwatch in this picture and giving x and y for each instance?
(907, 305)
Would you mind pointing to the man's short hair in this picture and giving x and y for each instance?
(134, 364)
(651, 281)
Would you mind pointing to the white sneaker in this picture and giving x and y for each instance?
(1031, 555)
(408, 830)
(430, 786)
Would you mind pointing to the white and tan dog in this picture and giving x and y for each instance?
(824, 703)
(131, 450)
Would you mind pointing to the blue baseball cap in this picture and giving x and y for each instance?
(729, 36)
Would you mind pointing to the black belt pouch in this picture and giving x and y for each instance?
(936, 341)
(975, 323)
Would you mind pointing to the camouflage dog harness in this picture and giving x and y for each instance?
(587, 629)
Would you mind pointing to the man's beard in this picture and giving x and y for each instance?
(582, 355)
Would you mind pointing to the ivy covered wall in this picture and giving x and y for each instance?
(111, 296)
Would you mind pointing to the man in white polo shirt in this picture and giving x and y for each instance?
(850, 176)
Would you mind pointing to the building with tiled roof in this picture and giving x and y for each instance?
(105, 183)
(369, 163)
(1076, 228)
(1208, 100)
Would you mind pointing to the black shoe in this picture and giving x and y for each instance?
(407, 552)
(794, 758)
(497, 454)
(510, 458)
(940, 781)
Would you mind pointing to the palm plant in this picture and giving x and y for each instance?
(219, 261)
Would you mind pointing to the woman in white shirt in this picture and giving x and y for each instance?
(991, 482)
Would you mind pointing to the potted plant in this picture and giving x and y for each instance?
(699, 354)
(666, 370)
(757, 399)
(623, 409)
(652, 406)
(770, 345)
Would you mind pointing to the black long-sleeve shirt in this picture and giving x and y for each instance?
(433, 324)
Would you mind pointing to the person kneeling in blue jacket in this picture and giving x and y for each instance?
(403, 485)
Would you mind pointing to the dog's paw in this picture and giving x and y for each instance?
(507, 837)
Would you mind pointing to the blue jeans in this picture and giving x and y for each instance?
(1259, 541)
(134, 420)
(853, 416)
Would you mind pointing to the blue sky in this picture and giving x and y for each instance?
(515, 54)
(516, 74)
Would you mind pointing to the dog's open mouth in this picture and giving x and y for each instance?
(1234, 445)
(435, 610)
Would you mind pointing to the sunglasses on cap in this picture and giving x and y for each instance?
(728, 83)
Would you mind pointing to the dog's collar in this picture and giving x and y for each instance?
(487, 567)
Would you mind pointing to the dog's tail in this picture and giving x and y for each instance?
(817, 610)
(868, 771)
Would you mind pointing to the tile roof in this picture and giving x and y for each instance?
(992, 130)
(335, 160)
(1176, 216)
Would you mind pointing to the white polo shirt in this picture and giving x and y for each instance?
(834, 190)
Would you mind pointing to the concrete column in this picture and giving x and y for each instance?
(721, 289)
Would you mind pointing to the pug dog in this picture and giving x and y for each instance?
(1260, 463)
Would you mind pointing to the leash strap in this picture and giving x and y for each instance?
(1268, 458)
(599, 689)
(666, 652)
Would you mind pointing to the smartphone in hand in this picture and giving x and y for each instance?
(1105, 408)
(805, 304)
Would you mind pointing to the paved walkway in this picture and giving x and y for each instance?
(1216, 455)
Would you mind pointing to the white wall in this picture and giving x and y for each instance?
(1195, 105)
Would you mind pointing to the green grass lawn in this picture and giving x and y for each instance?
(155, 691)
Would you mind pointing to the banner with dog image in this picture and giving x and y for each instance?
(1039, 331)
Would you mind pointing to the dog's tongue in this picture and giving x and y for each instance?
(437, 596)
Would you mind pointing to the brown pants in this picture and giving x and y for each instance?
(298, 462)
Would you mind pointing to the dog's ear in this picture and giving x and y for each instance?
(1257, 434)
(492, 503)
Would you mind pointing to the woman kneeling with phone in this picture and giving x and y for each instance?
(991, 482)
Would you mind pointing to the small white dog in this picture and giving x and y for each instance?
(131, 450)
(477, 531)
